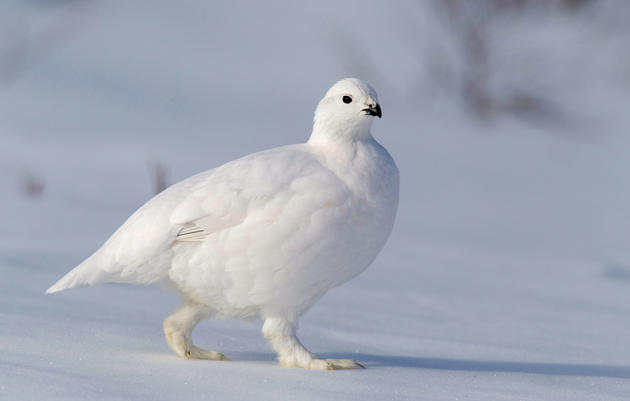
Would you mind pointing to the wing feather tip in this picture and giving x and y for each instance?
(191, 232)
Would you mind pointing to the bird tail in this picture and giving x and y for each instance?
(83, 275)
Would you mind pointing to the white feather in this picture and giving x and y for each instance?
(269, 233)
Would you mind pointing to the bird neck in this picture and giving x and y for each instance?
(327, 131)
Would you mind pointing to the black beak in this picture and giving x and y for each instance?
(374, 111)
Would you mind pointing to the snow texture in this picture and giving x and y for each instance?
(507, 273)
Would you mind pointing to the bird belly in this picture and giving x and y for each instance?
(282, 262)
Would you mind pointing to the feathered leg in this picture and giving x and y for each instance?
(178, 329)
(281, 334)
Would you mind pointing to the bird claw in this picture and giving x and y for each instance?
(198, 353)
(338, 364)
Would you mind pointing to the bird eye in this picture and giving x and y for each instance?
(347, 99)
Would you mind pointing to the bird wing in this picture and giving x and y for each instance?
(139, 252)
(217, 204)
(243, 188)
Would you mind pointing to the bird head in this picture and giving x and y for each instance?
(346, 111)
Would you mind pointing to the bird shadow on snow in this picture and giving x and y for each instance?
(540, 368)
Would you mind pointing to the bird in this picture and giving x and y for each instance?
(263, 236)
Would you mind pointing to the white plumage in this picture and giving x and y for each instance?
(265, 235)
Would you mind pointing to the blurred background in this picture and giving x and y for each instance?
(509, 120)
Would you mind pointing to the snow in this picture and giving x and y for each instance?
(506, 276)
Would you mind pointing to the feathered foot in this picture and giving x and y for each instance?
(320, 364)
(292, 354)
(178, 329)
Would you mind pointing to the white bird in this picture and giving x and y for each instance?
(265, 235)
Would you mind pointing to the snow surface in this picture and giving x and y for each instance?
(507, 276)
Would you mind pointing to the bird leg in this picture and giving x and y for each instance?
(281, 334)
(178, 329)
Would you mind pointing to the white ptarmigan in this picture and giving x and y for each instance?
(265, 235)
